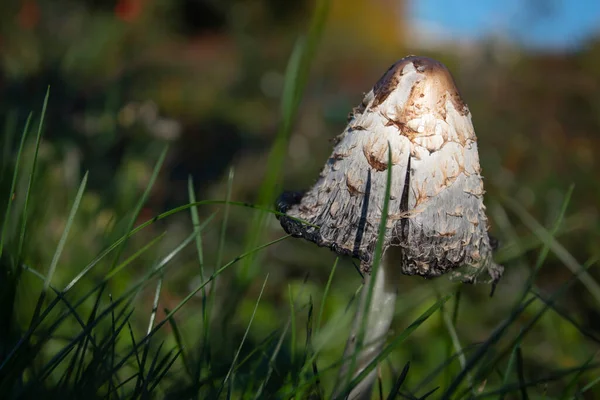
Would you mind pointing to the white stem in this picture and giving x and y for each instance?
(379, 317)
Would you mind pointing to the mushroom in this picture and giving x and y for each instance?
(436, 213)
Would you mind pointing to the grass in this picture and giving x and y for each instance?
(74, 327)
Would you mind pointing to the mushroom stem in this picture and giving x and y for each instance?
(379, 317)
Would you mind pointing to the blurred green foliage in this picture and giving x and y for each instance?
(206, 77)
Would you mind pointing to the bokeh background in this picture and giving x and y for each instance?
(206, 77)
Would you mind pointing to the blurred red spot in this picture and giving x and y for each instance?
(128, 10)
(145, 215)
(29, 14)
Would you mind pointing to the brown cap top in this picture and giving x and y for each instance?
(437, 79)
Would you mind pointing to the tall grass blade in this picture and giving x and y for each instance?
(509, 368)
(60, 247)
(205, 348)
(82, 348)
(38, 140)
(590, 385)
(325, 294)
(387, 350)
(142, 383)
(196, 224)
(166, 367)
(65, 234)
(484, 347)
(296, 76)
(13, 183)
(274, 355)
(150, 245)
(237, 353)
(293, 319)
(426, 395)
(448, 322)
(564, 314)
(398, 383)
(180, 344)
(225, 218)
(521, 374)
(567, 259)
(140, 204)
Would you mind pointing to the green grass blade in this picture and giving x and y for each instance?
(196, 223)
(237, 353)
(590, 385)
(458, 349)
(13, 183)
(293, 319)
(38, 140)
(115, 245)
(442, 367)
(81, 350)
(399, 339)
(288, 97)
(272, 360)
(133, 257)
(140, 204)
(484, 347)
(221, 245)
(426, 395)
(308, 352)
(296, 76)
(530, 241)
(165, 369)
(509, 368)
(65, 234)
(113, 348)
(259, 348)
(134, 345)
(204, 350)
(325, 294)
(566, 258)
(221, 270)
(143, 382)
(398, 383)
(141, 390)
(559, 220)
(155, 304)
(546, 246)
(564, 314)
(521, 374)
(180, 344)
(60, 247)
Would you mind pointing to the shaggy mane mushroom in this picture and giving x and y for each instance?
(436, 213)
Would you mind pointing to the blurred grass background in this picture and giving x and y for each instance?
(206, 77)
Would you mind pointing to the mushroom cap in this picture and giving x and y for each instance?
(436, 211)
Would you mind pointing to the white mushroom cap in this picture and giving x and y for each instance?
(437, 215)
